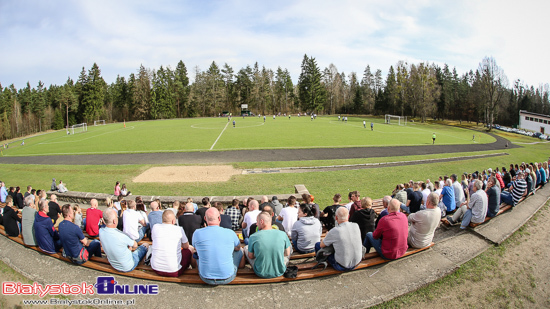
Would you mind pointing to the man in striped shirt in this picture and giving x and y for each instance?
(516, 191)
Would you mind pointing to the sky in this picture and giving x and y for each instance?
(50, 41)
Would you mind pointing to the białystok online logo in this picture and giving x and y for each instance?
(103, 286)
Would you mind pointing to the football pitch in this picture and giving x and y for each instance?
(218, 134)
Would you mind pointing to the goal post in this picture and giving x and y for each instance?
(79, 128)
(99, 122)
(400, 120)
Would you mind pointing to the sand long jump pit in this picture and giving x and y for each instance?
(212, 173)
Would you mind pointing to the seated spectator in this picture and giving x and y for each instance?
(268, 250)
(390, 237)
(542, 173)
(437, 188)
(55, 210)
(328, 216)
(77, 216)
(76, 247)
(155, 216)
(123, 207)
(218, 251)
(529, 181)
(385, 202)
(289, 215)
(47, 237)
(134, 225)
(29, 192)
(308, 200)
(515, 192)
(506, 177)
(425, 192)
(225, 219)
(27, 222)
(61, 187)
(264, 202)
(117, 245)
(423, 223)
(117, 203)
(249, 219)
(448, 196)
(430, 185)
(202, 211)
(458, 190)
(306, 232)
(142, 215)
(93, 217)
(189, 221)
(274, 224)
(117, 189)
(474, 209)
(171, 251)
(277, 206)
(401, 194)
(11, 220)
(414, 200)
(234, 212)
(365, 218)
(54, 185)
(342, 244)
(124, 191)
(493, 197)
(195, 206)
(18, 199)
(356, 205)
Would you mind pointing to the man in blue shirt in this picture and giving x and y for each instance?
(155, 216)
(218, 251)
(117, 244)
(75, 246)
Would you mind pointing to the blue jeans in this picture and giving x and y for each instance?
(295, 244)
(375, 243)
(405, 208)
(467, 217)
(506, 197)
(245, 236)
(141, 232)
(138, 255)
(332, 260)
(94, 248)
(237, 257)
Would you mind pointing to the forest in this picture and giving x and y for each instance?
(422, 91)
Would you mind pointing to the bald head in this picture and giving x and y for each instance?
(342, 214)
(386, 201)
(110, 217)
(264, 199)
(394, 206)
(168, 217)
(189, 207)
(253, 205)
(154, 206)
(212, 217)
(93, 203)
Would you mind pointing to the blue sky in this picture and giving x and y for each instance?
(52, 40)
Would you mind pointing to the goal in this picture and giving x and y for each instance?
(79, 128)
(99, 122)
(400, 120)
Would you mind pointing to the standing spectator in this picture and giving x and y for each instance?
(289, 215)
(27, 222)
(234, 213)
(171, 251)
(117, 245)
(365, 218)
(423, 223)
(47, 237)
(269, 249)
(390, 237)
(306, 232)
(93, 217)
(76, 247)
(189, 221)
(218, 251)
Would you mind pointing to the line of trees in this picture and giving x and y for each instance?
(420, 90)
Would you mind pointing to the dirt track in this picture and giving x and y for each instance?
(223, 157)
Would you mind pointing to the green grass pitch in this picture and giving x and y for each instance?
(217, 134)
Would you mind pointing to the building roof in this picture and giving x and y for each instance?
(533, 114)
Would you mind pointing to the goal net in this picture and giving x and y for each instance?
(393, 119)
(79, 128)
(99, 122)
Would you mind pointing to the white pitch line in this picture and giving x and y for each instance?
(219, 136)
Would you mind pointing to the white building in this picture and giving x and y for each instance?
(534, 122)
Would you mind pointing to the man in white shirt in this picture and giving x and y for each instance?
(134, 226)
(171, 250)
(250, 218)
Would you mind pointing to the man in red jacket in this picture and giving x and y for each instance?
(390, 237)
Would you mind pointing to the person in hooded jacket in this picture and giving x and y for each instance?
(365, 218)
(306, 232)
